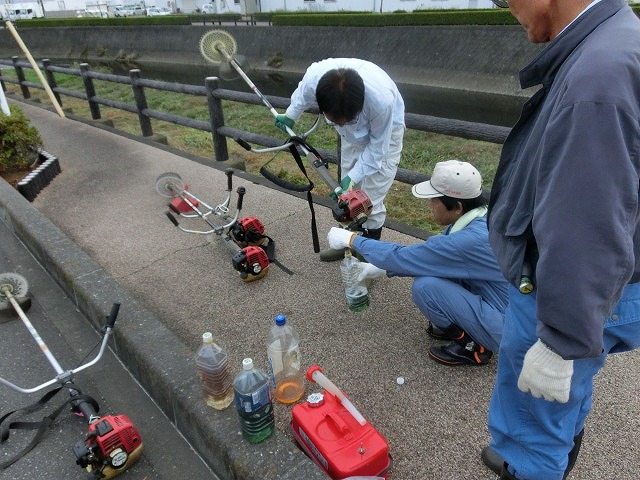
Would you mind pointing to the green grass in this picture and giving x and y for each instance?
(421, 150)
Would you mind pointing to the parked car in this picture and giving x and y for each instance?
(128, 10)
(208, 8)
(154, 11)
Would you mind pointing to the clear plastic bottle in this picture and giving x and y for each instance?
(356, 292)
(253, 401)
(215, 377)
(283, 350)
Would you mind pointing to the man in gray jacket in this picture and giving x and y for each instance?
(565, 211)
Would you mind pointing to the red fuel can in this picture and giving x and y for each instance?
(332, 437)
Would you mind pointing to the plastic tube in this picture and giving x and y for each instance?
(314, 373)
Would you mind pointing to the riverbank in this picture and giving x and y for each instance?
(464, 72)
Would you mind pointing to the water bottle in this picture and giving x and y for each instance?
(253, 401)
(213, 369)
(356, 292)
(283, 350)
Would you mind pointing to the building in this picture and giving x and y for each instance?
(11, 9)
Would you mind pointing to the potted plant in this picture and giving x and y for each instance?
(22, 156)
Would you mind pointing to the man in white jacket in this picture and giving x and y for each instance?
(365, 107)
(457, 284)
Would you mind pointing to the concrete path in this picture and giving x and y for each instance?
(100, 228)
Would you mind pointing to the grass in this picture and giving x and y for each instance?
(421, 150)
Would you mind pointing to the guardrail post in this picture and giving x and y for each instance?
(217, 120)
(51, 80)
(141, 102)
(90, 90)
(20, 75)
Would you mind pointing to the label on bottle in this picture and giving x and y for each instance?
(253, 401)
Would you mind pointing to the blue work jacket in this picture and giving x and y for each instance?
(565, 195)
(464, 257)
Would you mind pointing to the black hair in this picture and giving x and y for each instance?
(340, 94)
(468, 204)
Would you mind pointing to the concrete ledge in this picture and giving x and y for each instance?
(155, 356)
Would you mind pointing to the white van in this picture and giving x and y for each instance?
(20, 14)
(208, 8)
(128, 10)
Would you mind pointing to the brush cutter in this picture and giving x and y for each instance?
(353, 207)
(244, 236)
(112, 443)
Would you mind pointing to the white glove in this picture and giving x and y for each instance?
(369, 271)
(546, 374)
(339, 238)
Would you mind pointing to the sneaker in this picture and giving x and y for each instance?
(437, 332)
(492, 460)
(455, 353)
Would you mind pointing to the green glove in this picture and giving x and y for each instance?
(346, 184)
(282, 122)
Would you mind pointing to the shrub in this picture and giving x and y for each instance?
(20, 141)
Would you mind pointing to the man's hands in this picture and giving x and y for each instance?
(282, 122)
(369, 271)
(339, 238)
(546, 374)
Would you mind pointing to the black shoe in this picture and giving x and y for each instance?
(373, 233)
(455, 353)
(437, 333)
(492, 460)
(331, 255)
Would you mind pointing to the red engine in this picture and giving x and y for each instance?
(248, 231)
(252, 262)
(111, 446)
(354, 207)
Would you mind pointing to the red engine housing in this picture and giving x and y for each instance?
(252, 262)
(353, 207)
(248, 231)
(113, 432)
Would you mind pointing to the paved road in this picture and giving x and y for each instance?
(70, 337)
(100, 230)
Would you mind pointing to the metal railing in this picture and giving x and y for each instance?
(214, 95)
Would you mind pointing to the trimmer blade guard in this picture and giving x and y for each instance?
(178, 205)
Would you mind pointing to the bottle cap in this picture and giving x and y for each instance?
(247, 364)
(280, 319)
(207, 337)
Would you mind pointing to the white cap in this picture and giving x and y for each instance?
(247, 364)
(452, 178)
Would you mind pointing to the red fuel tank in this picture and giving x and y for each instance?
(333, 438)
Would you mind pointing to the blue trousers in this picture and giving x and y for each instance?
(532, 435)
(445, 302)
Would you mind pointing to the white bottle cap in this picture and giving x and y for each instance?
(207, 337)
(247, 364)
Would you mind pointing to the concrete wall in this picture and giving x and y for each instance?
(468, 72)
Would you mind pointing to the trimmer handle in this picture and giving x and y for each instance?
(241, 192)
(229, 173)
(111, 318)
(172, 218)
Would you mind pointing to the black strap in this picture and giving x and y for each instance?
(295, 141)
(40, 426)
(270, 250)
